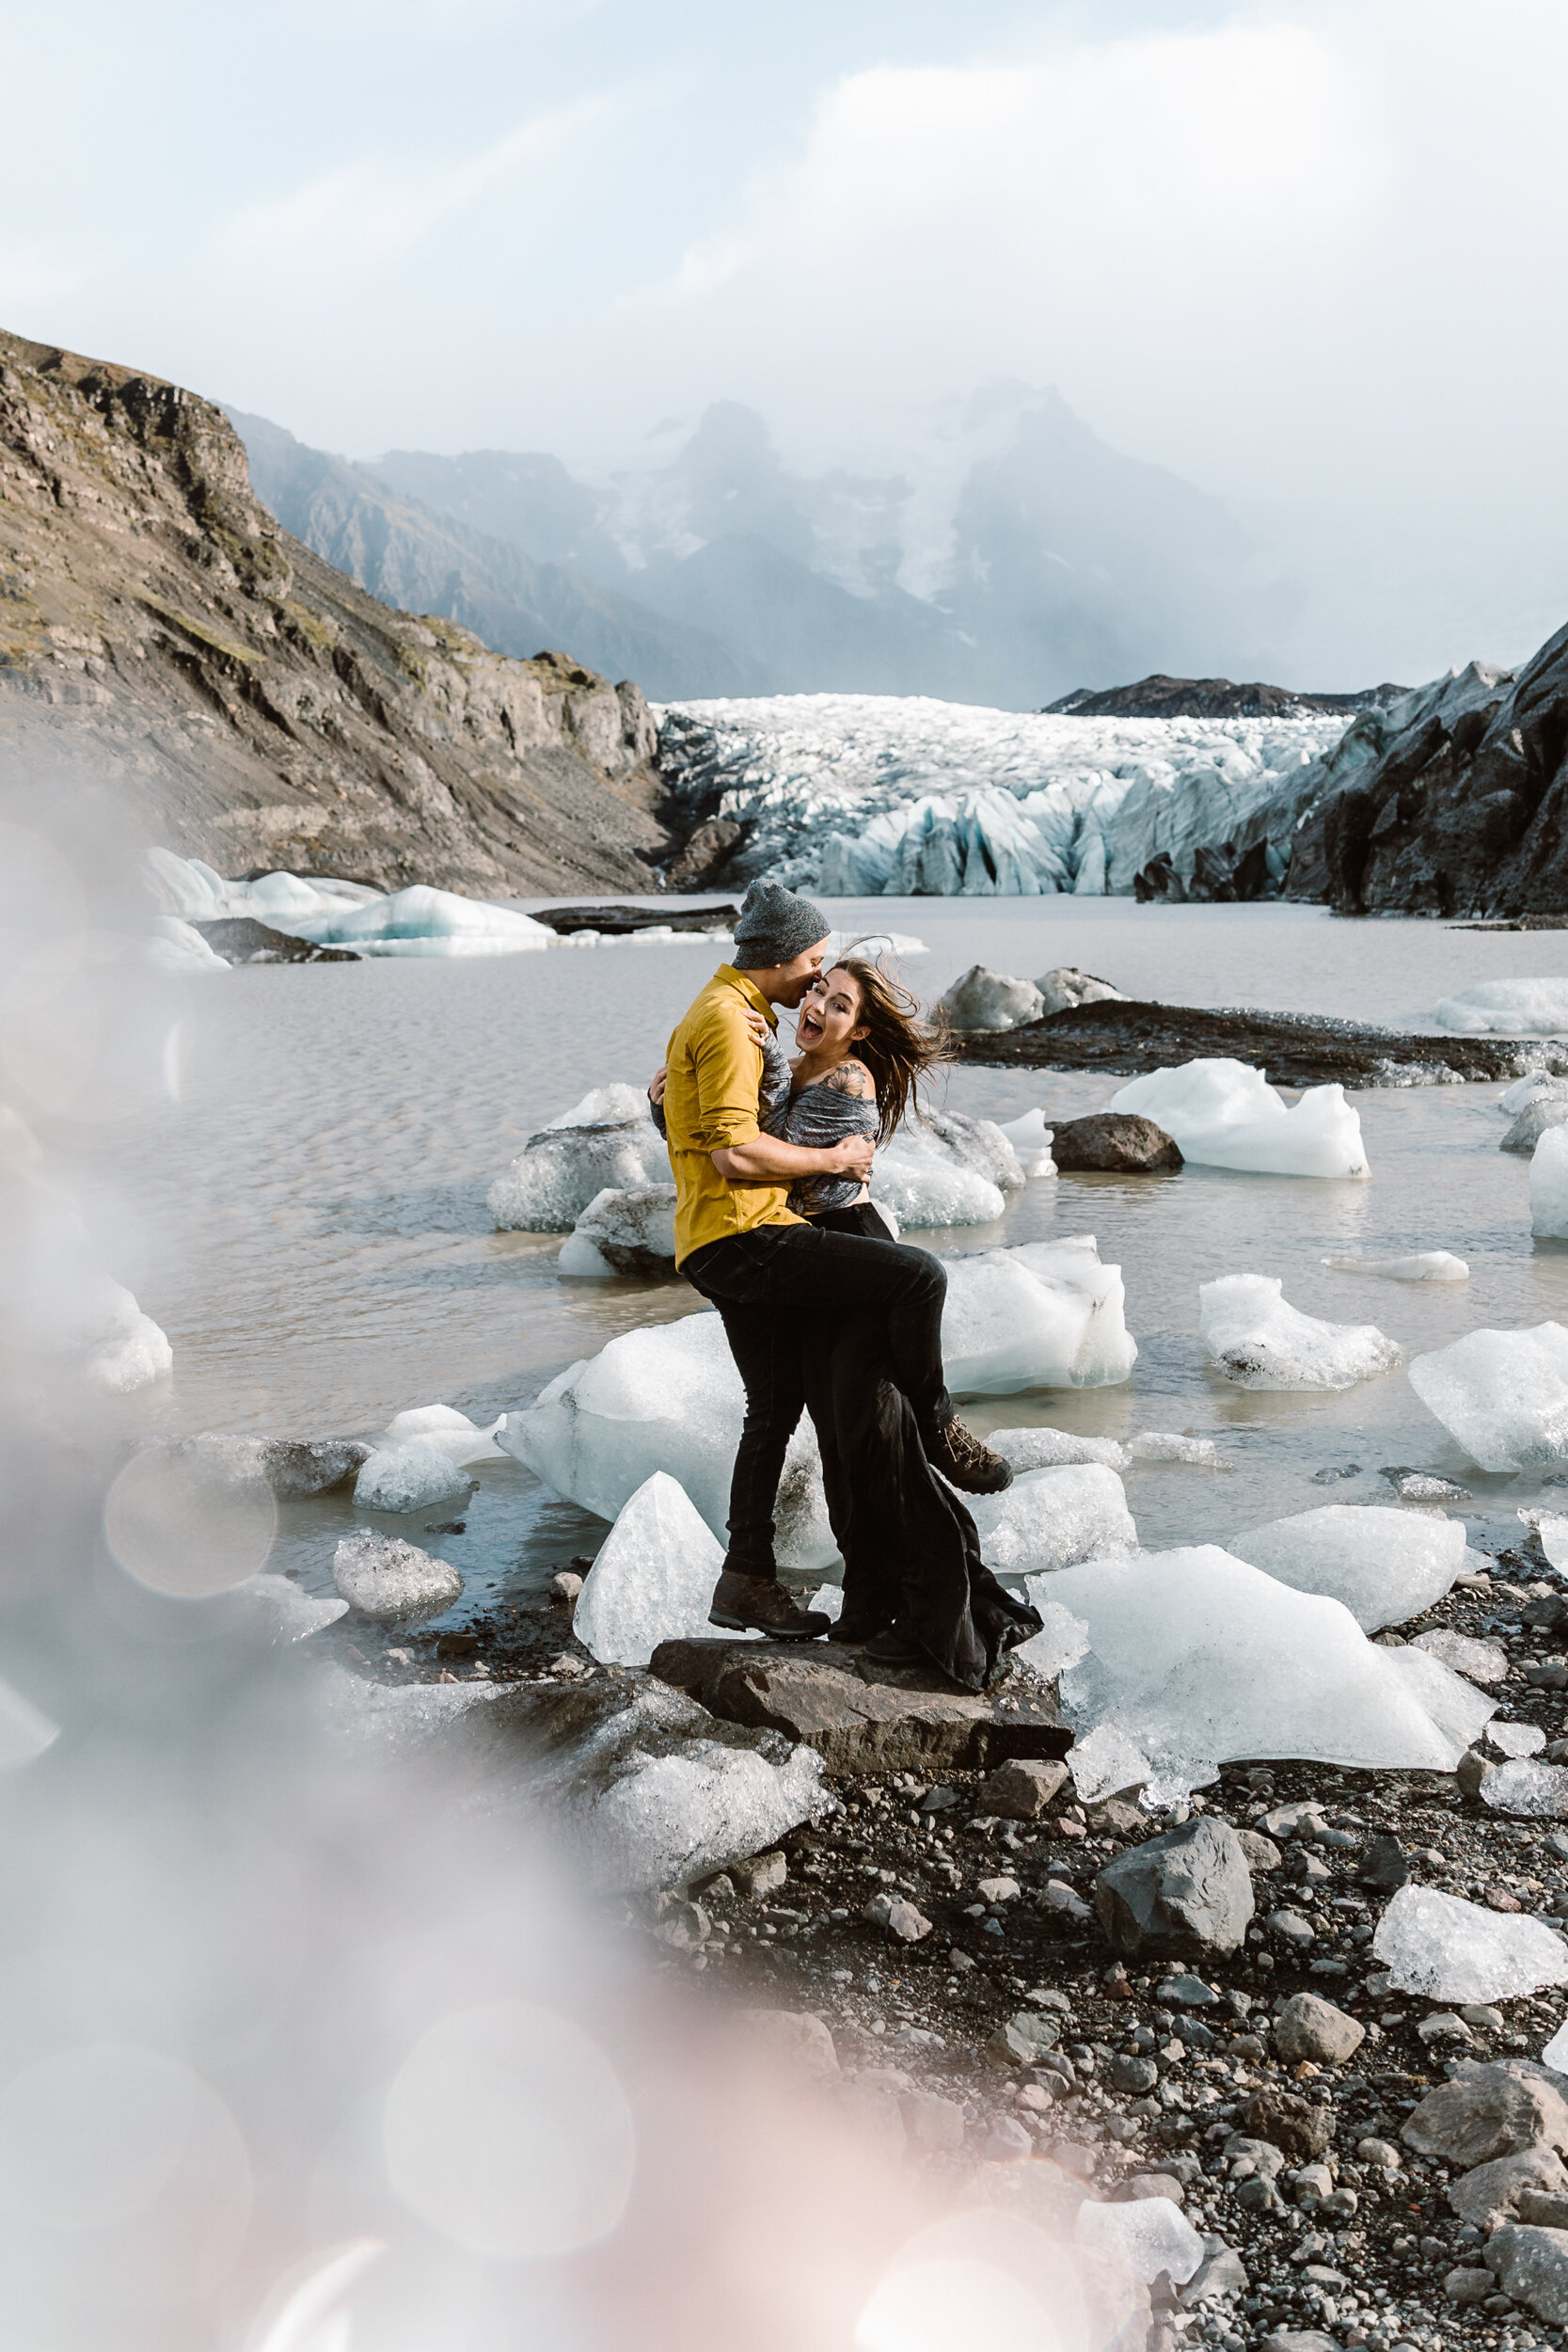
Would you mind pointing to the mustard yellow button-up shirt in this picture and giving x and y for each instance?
(710, 1104)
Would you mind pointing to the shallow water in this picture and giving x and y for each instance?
(307, 1221)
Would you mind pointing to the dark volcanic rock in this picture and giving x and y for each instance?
(1116, 1142)
(619, 922)
(1291, 1049)
(1188, 1891)
(252, 706)
(1162, 697)
(1303, 2129)
(1464, 809)
(859, 1717)
(240, 939)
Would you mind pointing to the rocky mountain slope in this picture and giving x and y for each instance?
(1162, 697)
(247, 703)
(394, 545)
(1454, 802)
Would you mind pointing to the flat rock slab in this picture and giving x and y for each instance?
(1291, 1049)
(861, 1717)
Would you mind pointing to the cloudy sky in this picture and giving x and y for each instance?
(1307, 255)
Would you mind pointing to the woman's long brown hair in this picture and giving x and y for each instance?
(900, 1047)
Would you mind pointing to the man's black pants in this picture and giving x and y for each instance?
(766, 1284)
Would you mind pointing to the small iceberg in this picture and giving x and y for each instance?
(1225, 1114)
(1502, 1395)
(1255, 1338)
(1507, 1009)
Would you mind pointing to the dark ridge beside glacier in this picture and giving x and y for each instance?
(1162, 697)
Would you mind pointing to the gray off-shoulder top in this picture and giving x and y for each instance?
(815, 1117)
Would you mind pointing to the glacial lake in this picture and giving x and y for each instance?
(308, 1223)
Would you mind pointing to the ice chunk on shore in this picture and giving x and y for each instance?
(1225, 1114)
(944, 1168)
(1047, 1519)
(1043, 1315)
(626, 1232)
(1031, 1140)
(653, 1580)
(1447, 1949)
(1528, 1789)
(1257, 1338)
(1503, 1396)
(982, 999)
(562, 1170)
(1143, 2236)
(281, 1610)
(1386, 1566)
(1050, 1449)
(1548, 1185)
(1196, 1659)
(1507, 1009)
(386, 1579)
(1424, 1265)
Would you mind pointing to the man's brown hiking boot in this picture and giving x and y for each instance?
(965, 1463)
(744, 1604)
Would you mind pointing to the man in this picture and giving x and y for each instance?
(764, 1268)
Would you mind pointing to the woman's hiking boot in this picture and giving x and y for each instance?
(891, 1647)
(965, 1462)
(859, 1624)
(745, 1604)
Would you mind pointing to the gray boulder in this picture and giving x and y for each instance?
(991, 1000)
(1309, 2028)
(1187, 1892)
(1488, 2190)
(1486, 2112)
(1023, 1789)
(1532, 2265)
(629, 1230)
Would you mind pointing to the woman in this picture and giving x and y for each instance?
(915, 1589)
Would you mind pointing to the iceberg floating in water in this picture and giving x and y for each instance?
(1196, 1659)
(653, 1580)
(419, 921)
(1548, 1185)
(1258, 1340)
(1425, 1265)
(605, 1143)
(1503, 1396)
(1386, 1566)
(626, 1231)
(1507, 1009)
(943, 1169)
(1031, 1140)
(422, 1458)
(668, 1396)
(1225, 1114)
(1533, 1087)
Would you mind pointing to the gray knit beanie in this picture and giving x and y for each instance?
(775, 926)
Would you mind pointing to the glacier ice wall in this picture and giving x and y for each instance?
(874, 795)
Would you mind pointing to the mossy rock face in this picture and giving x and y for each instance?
(255, 705)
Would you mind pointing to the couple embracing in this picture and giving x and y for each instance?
(824, 1311)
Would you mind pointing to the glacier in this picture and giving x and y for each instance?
(883, 795)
